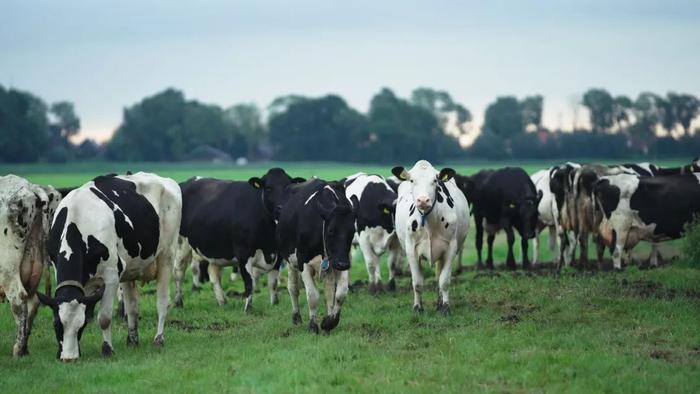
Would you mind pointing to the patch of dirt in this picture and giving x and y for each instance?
(189, 327)
(649, 289)
(660, 354)
(371, 332)
(286, 333)
(510, 318)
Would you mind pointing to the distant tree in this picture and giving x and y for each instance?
(685, 108)
(666, 113)
(23, 126)
(622, 106)
(442, 106)
(319, 129)
(247, 123)
(504, 118)
(648, 115)
(67, 123)
(600, 105)
(531, 111)
(280, 104)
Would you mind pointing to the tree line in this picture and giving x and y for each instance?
(169, 127)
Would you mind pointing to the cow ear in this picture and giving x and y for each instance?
(298, 180)
(48, 301)
(400, 173)
(355, 202)
(326, 204)
(255, 182)
(446, 174)
(539, 196)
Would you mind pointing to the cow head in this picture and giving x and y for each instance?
(467, 186)
(273, 186)
(71, 312)
(338, 228)
(424, 180)
(524, 214)
(694, 166)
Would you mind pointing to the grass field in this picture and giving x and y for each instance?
(636, 331)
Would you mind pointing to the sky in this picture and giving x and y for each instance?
(106, 55)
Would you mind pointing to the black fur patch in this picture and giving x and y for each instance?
(414, 225)
(411, 210)
(447, 225)
(450, 202)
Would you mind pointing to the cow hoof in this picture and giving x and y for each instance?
(330, 322)
(438, 305)
(106, 350)
(511, 266)
(274, 300)
(178, 303)
(296, 318)
(20, 351)
(159, 341)
(248, 308)
(132, 339)
(617, 269)
(313, 327)
(489, 266)
(445, 309)
(418, 308)
(527, 266)
(196, 289)
(391, 286)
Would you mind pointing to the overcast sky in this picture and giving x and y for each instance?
(105, 55)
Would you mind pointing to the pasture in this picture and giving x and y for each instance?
(580, 331)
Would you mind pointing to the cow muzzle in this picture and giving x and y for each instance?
(341, 265)
(424, 204)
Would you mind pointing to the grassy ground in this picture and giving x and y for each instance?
(636, 331)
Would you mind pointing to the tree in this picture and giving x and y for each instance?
(648, 114)
(23, 126)
(442, 106)
(531, 111)
(622, 105)
(246, 122)
(685, 108)
(67, 123)
(600, 105)
(504, 118)
(317, 129)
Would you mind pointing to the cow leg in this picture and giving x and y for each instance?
(164, 265)
(179, 271)
(19, 311)
(417, 279)
(312, 296)
(446, 277)
(536, 246)
(553, 239)
(600, 249)
(618, 254)
(524, 243)
(489, 244)
(479, 240)
(215, 277)
(583, 241)
(293, 289)
(341, 281)
(196, 283)
(393, 260)
(131, 306)
(32, 308)
(111, 285)
(510, 236)
(372, 263)
(244, 262)
(47, 278)
(655, 255)
(272, 282)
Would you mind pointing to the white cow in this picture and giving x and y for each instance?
(375, 225)
(432, 219)
(25, 216)
(548, 214)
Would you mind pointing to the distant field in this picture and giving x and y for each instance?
(636, 331)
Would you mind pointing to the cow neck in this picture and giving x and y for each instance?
(73, 283)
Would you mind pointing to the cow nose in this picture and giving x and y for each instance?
(423, 202)
(341, 265)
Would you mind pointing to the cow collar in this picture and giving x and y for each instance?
(73, 283)
(325, 258)
(424, 216)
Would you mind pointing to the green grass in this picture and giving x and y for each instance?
(636, 331)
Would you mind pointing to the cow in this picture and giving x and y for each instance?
(25, 216)
(432, 220)
(651, 209)
(375, 225)
(505, 199)
(114, 229)
(561, 184)
(225, 221)
(547, 214)
(649, 169)
(314, 234)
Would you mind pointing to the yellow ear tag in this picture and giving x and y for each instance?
(512, 206)
(387, 211)
(257, 185)
(444, 178)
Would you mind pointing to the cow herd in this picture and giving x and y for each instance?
(104, 236)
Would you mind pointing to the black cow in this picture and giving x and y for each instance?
(645, 209)
(225, 221)
(504, 199)
(314, 234)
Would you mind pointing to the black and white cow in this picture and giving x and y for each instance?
(644, 209)
(650, 169)
(314, 234)
(432, 219)
(26, 210)
(112, 229)
(231, 221)
(561, 184)
(375, 225)
(547, 214)
(505, 199)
